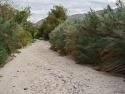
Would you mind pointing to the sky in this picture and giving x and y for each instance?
(40, 8)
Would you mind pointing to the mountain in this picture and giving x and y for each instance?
(75, 16)
(39, 22)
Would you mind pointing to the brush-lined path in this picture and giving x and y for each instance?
(39, 70)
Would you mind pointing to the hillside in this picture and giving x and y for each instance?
(79, 16)
(39, 22)
(75, 16)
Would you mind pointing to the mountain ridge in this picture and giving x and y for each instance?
(73, 16)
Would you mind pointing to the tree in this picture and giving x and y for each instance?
(13, 34)
(56, 16)
(29, 26)
(7, 11)
(22, 16)
(100, 42)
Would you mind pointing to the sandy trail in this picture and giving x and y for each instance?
(38, 70)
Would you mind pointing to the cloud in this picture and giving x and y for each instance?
(40, 8)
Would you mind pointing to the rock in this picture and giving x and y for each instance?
(87, 86)
(25, 88)
(60, 77)
(49, 69)
(64, 80)
(75, 86)
(88, 79)
(18, 71)
(14, 55)
(97, 68)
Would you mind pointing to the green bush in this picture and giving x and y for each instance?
(87, 51)
(3, 54)
(103, 41)
(56, 16)
(63, 38)
(98, 39)
(24, 38)
(13, 34)
(8, 33)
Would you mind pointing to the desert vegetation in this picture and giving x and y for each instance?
(97, 39)
(56, 16)
(15, 30)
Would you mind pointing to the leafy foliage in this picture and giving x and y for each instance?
(3, 54)
(99, 40)
(21, 16)
(56, 16)
(31, 28)
(63, 38)
(13, 34)
(23, 38)
(8, 33)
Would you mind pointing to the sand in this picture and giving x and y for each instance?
(39, 70)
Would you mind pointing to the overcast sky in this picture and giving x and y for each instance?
(40, 8)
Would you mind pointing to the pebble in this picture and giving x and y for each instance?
(18, 71)
(48, 69)
(25, 88)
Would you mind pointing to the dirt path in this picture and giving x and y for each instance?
(38, 70)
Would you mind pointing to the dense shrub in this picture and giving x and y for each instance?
(24, 38)
(3, 54)
(31, 28)
(13, 34)
(105, 39)
(63, 38)
(98, 39)
(56, 16)
(7, 33)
